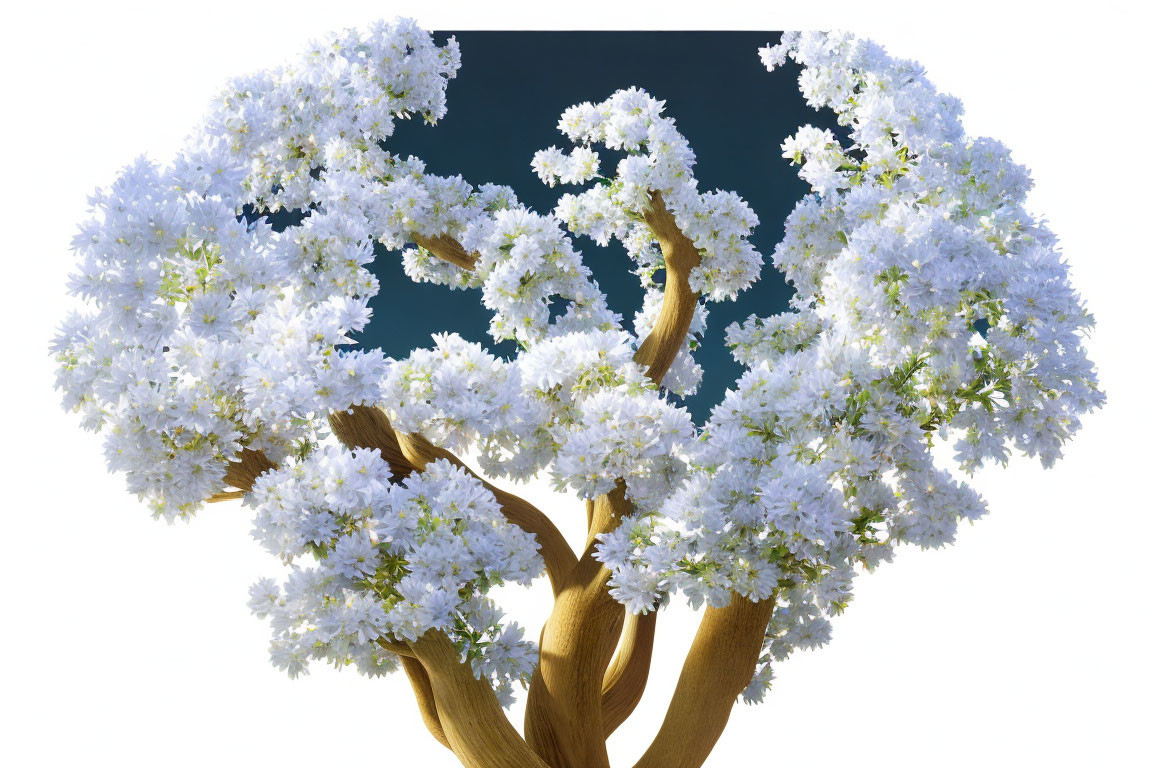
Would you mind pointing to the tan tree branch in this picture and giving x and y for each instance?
(398, 648)
(422, 688)
(564, 718)
(719, 666)
(448, 249)
(242, 473)
(566, 722)
(627, 675)
(679, 305)
(369, 427)
(363, 426)
(472, 720)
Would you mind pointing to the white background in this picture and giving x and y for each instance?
(126, 641)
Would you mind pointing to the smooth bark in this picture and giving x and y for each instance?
(446, 248)
(564, 719)
(368, 427)
(659, 350)
(627, 675)
(719, 666)
(422, 688)
(473, 721)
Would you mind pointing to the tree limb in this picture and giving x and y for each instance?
(564, 718)
(242, 473)
(473, 722)
(719, 666)
(566, 722)
(400, 649)
(369, 427)
(627, 675)
(363, 426)
(448, 249)
(225, 496)
(422, 687)
(679, 305)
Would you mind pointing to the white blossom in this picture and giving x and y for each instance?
(391, 561)
(658, 160)
(930, 308)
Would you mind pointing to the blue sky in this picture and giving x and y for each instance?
(504, 105)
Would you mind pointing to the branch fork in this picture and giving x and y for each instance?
(594, 659)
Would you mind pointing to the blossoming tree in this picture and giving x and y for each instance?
(214, 350)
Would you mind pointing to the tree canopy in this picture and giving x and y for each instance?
(216, 353)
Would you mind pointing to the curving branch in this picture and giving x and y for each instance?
(396, 647)
(242, 473)
(627, 675)
(369, 427)
(363, 426)
(719, 666)
(422, 688)
(472, 720)
(567, 721)
(564, 719)
(447, 248)
(680, 301)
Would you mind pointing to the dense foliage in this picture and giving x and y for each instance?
(930, 306)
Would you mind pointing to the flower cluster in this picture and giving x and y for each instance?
(657, 159)
(204, 331)
(452, 393)
(929, 303)
(392, 561)
(198, 337)
(622, 436)
(526, 260)
(342, 96)
(516, 413)
(576, 401)
(605, 417)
